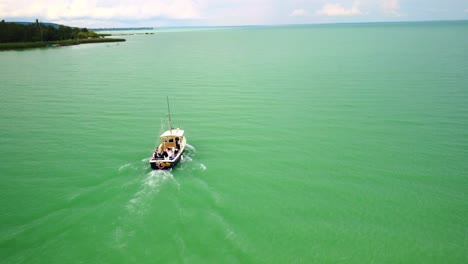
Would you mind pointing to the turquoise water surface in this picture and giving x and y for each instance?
(308, 144)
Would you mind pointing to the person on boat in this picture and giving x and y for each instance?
(158, 153)
(177, 143)
(170, 153)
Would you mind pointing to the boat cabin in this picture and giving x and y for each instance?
(172, 138)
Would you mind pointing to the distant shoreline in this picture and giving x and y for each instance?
(29, 35)
(124, 28)
(285, 25)
(57, 43)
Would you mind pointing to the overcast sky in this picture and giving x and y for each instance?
(165, 13)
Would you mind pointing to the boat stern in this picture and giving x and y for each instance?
(161, 164)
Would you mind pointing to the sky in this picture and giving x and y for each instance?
(176, 13)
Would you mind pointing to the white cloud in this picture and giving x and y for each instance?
(238, 12)
(299, 13)
(97, 13)
(391, 6)
(339, 10)
(127, 9)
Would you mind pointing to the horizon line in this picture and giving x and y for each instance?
(257, 25)
(288, 24)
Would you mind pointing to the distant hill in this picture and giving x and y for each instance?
(42, 23)
(31, 32)
(94, 29)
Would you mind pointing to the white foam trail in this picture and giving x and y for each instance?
(156, 177)
(229, 232)
(151, 184)
(185, 159)
(140, 203)
(124, 166)
(190, 147)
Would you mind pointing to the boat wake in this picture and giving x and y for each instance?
(128, 166)
(147, 189)
(140, 204)
(190, 147)
(150, 185)
(188, 161)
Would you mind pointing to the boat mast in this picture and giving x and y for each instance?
(169, 114)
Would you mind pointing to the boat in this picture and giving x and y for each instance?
(171, 147)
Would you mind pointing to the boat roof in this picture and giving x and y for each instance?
(177, 132)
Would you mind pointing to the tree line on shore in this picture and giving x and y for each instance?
(35, 32)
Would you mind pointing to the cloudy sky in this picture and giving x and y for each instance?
(164, 13)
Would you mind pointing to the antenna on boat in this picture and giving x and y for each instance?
(169, 114)
(161, 130)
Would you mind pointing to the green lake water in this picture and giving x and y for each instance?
(308, 144)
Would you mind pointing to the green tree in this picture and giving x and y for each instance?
(3, 31)
(40, 28)
(64, 32)
(92, 34)
(14, 32)
(82, 35)
(75, 32)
